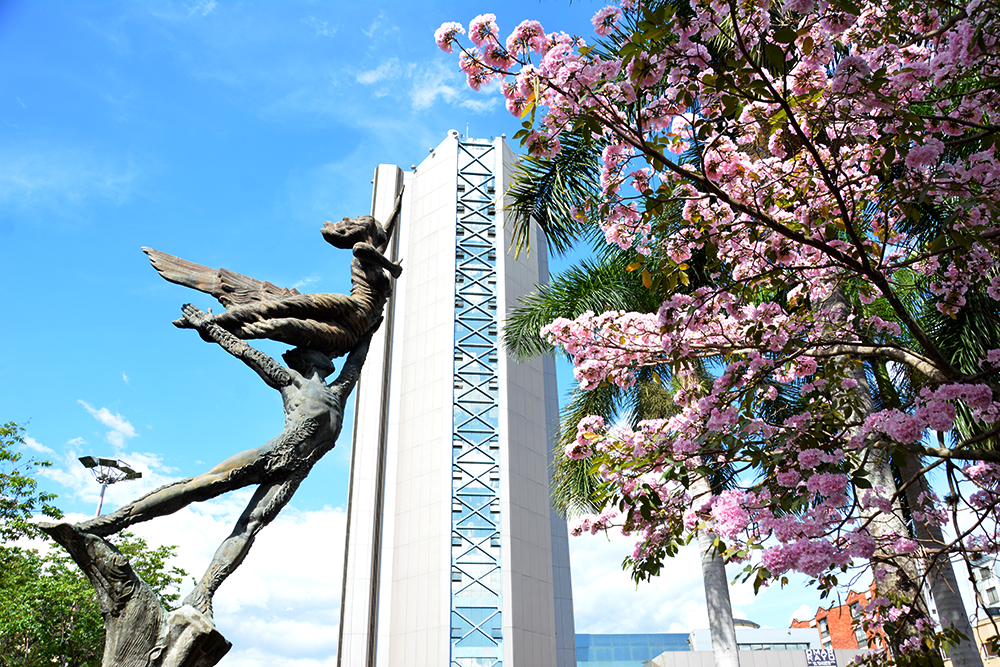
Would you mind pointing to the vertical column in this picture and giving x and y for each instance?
(476, 594)
(537, 593)
(365, 508)
(419, 614)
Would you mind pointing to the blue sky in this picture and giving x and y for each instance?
(226, 133)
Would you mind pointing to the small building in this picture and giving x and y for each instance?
(751, 637)
(987, 584)
(835, 625)
(626, 650)
(804, 658)
(984, 630)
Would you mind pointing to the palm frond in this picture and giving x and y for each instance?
(545, 190)
(593, 285)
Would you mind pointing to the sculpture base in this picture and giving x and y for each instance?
(139, 632)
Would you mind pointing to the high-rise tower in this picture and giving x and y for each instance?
(454, 556)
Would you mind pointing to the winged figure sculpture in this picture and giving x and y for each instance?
(328, 323)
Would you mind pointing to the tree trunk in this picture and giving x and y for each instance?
(941, 572)
(713, 568)
(899, 572)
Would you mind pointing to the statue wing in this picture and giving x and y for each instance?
(229, 287)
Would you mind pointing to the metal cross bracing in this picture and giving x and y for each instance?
(476, 637)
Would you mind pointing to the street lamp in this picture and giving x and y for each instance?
(107, 472)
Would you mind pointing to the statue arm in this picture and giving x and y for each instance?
(366, 252)
(351, 370)
(273, 373)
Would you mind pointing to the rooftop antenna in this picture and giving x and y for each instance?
(108, 472)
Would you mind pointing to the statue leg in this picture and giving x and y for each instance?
(233, 473)
(263, 507)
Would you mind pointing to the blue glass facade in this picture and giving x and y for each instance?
(626, 650)
(476, 600)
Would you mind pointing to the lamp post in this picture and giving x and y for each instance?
(107, 472)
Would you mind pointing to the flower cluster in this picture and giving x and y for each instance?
(832, 168)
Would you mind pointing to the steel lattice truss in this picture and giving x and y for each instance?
(476, 638)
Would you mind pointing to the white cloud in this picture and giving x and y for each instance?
(35, 446)
(202, 7)
(803, 613)
(375, 24)
(120, 427)
(322, 28)
(389, 69)
(125, 378)
(606, 600)
(306, 282)
(431, 81)
(281, 607)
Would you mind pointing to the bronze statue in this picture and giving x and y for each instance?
(320, 326)
(329, 323)
(314, 413)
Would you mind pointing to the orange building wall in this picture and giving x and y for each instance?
(839, 623)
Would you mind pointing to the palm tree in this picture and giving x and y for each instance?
(545, 191)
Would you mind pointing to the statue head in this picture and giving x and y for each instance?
(307, 361)
(347, 232)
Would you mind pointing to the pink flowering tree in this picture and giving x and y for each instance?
(836, 166)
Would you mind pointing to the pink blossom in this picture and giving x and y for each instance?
(789, 479)
(925, 155)
(527, 36)
(483, 29)
(604, 20)
(578, 450)
(827, 484)
(445, 35)
(777, 559)
(730, 516)
(810, 458)
(850, 71)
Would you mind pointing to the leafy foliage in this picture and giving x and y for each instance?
(48, 609)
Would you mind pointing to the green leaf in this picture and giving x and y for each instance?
(775, 54)
(785, 35)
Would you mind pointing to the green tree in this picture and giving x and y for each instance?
(48, 609)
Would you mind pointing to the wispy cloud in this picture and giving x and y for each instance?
(322, 28)
(35, 446)
(438, 81)
(389, 69)
(120, 427)
(375, 25)
(306, 282)
(426, 84)
(125, 378)
(64, 178)
(202, 8)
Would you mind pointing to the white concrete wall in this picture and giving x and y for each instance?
(526, 543)
(414, 623)
(749, 658)
(357, 606)
(419, 618)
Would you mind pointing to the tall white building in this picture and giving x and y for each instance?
(454, 556)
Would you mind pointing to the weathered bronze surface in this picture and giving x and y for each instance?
(320, 326)
(329, 323)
